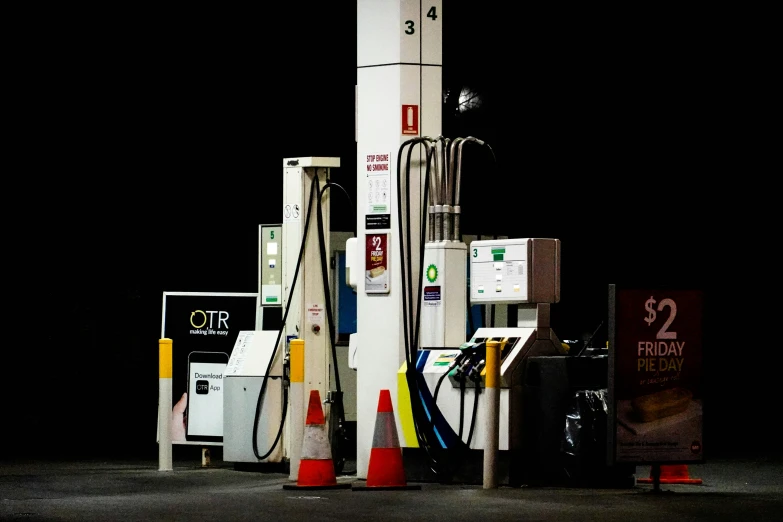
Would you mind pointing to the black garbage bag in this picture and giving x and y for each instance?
(584, 436)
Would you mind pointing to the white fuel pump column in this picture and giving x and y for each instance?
(307, 314)
(399, 97)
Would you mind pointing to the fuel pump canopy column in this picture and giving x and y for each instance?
(399, 97)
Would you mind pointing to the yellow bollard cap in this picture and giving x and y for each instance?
(492, 365)
(165, 359)
(296, 361)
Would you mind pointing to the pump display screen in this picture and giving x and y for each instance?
(205, 399)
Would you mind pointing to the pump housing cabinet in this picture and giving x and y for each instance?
(519, 270)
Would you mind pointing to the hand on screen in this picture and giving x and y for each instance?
(178, 418)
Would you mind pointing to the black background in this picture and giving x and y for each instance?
(145, 148)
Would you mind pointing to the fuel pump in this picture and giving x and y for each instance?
(442, 368)
(273, 420)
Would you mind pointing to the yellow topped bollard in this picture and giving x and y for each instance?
(492, 442)
(165, 363)
(296, 396)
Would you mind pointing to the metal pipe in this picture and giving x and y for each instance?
(444, 190)
(450, 194)
(454, 210)
(436, 185)
(431, 180)
(454, 196)
(444, 174)
(459, 165)
(458, 182)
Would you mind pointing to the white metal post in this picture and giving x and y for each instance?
(165, 459)
(296, 398)
(492, 415)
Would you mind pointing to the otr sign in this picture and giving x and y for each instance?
(200, 318)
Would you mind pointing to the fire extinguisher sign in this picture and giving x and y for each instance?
(410, 119)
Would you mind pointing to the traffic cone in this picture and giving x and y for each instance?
(316, 468)
(385, 471)
(672, 474)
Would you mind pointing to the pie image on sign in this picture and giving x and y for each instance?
(378, 270)
(664, 403)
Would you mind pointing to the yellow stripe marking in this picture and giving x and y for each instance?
(404, 409)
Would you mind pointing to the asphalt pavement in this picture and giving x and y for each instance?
(105, 490)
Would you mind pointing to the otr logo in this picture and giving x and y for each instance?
(202, 387)
(199, 316)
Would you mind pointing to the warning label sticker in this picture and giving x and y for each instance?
(379, 184)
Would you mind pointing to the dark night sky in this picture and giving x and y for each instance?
(151, 146)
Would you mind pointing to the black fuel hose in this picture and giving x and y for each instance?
(477, 383)
(461, 405)
(341, 430)
(425, 438)
(313, 192)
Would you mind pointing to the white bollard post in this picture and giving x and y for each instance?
(492, 441)
(296, 398)
(164, 405)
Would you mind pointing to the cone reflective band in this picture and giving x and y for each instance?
(385, 470)
(316, 468)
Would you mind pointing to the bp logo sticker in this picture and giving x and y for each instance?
(432, 273)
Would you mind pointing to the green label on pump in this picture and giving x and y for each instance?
(271, 299)
(497, 257)
(445, 359)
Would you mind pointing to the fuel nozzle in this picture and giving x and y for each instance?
(287, 369)
(474, 373)
(472, 361)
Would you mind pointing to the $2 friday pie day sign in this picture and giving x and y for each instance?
(655, 360)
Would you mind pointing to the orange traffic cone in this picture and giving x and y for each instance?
(385, 470)
(671, 474)
(316, 468)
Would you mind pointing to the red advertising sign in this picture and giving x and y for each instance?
(655, 360)
(410, 119)
(376, 277)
